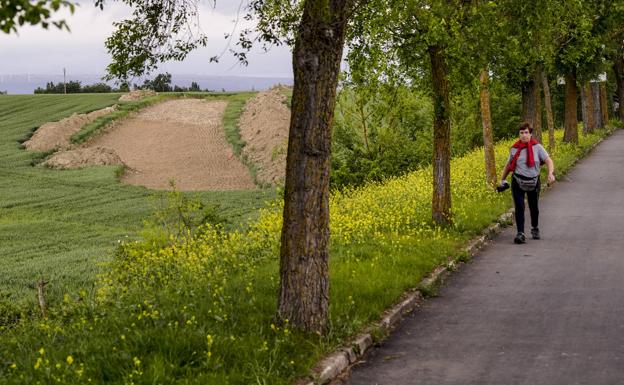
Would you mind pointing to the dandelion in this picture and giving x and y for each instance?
(70, 360)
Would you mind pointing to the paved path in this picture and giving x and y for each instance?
(547, 312)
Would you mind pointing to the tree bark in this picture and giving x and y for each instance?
(537, 120)
(595, 95)
(604, 108)
(363, 118)
(549, 114)
(441, 202)
(618, 69)
(304, 255)
(570, 126)
(488, 136)
(587, 108)
(528, 101)
(531, 104)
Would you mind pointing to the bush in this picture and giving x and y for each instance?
(379, 133)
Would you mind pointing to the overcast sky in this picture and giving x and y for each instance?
(38, 51)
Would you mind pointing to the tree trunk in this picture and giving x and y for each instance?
(304, 255)
(529, 91)
(531, 104)
(584, 107)
(360, 104)
(595, 94)
(570, 125)
(441, 204)
(618, 68)
(549, 113)
(537, 120)
(488, 136)
(587, 108)
(604, 108)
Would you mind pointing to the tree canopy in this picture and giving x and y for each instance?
(16, 13)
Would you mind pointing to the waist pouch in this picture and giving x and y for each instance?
(526, 183)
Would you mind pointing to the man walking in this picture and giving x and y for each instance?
(525, 158)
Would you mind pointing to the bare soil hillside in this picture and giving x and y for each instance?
(180, 140)
(56, 135)
(83, 157)
(264, 127)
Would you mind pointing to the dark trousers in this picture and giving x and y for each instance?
(518, 197)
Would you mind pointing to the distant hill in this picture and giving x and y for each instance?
(26, 84)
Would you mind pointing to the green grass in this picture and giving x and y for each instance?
(231, 118)
(62, 224)
(201, 310)
(288, 97)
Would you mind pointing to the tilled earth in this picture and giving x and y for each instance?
(180, 140)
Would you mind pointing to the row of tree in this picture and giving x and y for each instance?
(76, 87)
(160, 83)
(442, 46)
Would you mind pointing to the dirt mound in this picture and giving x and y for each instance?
(264, 127)
(56, 135)
(83, 157)
(179, 139)
(136, 95)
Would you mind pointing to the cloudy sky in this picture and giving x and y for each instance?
(37, 51)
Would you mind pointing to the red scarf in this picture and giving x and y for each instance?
(519, 145)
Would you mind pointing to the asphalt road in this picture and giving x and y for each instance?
(550, 311)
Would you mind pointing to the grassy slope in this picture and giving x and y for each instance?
(60, 224)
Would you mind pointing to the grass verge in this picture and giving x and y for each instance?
(231, 119)
(199, 309)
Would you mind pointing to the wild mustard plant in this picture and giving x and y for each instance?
(198, 307)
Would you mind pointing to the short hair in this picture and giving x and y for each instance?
(525, 126)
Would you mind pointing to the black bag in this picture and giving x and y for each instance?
(526, 183)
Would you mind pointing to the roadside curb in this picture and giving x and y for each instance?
(334, 366)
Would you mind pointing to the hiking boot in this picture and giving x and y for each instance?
(520, 238)
(535, 233)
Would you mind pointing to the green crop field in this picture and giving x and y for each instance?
(60, 225)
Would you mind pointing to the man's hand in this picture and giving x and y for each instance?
(551, 177)
(502, 186)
